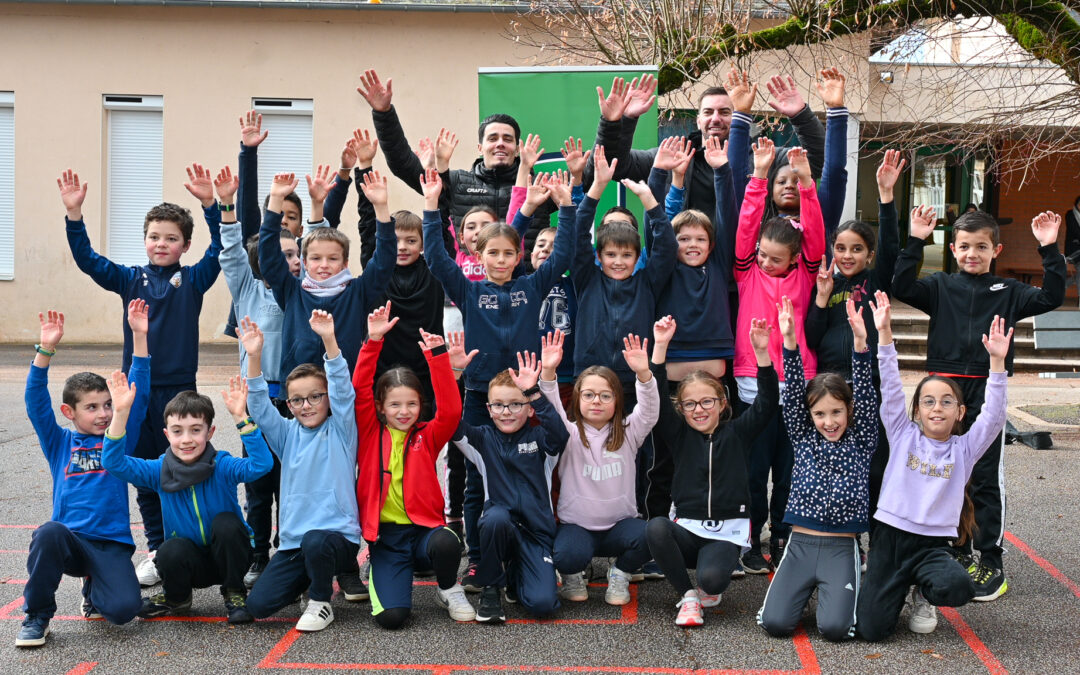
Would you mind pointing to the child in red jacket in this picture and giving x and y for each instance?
(401, 504)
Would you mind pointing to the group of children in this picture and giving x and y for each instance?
(601, 401)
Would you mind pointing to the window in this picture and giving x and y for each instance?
(133, 175)
(287, 148)
(7, 185)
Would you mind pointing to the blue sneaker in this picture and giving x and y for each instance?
(737, 573)
(33, 632)
(652, 570)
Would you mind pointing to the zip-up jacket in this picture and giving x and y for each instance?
(188, 513)
(517, 467)
(711, 479)
(420, 487)
(174, 293)
(828, 332)
(318, 466)
(962, 305)
(500, 320)
(86, 498)
(830, 481)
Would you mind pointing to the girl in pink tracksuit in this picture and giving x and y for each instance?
(597, 505)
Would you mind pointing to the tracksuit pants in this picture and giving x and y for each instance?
(312, 567)
(771, 452)
(398, 551)
(184, 564)
(475, 413)
(625, 541)
(511, 554)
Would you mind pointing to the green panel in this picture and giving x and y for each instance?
(557, 103)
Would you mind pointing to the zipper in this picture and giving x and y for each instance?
(404, 455)
(198, 516)
(709, 507)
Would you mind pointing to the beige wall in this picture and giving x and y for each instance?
(208, 64)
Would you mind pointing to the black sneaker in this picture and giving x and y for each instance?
(966, 560)
(159, 605)
(352, 586)
(510, 595)
(236, 606)
(652, 571)
(258, 566)
(754, 563)
(776, 551)
(990, 583)
(468, 580)
(491, 609)
(87, 608)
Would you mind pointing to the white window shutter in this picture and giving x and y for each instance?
(134, 178)
(287, 148)
(7, 185)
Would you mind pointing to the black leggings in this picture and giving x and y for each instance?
(674, 548)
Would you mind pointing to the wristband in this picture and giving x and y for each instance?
(41, 350)
(244, 422)
(531, 391)
(225, 208)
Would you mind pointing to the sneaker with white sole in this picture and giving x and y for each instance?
(491, 609)
(147, 571)
(573, 588)
(468, 580)
(453, 600)
(33, 631)
(708, 600)
(738, 572)
(690, 615)
(317, 615)
(87, 607)
(990, 583)
(618, 587)
(352, 586)
(923, 617)
(651, 571)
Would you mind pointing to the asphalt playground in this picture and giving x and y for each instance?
(1034, 628)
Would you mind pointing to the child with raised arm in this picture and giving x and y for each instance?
(328, 285)
(775, 259)
(89, 532)
(515, 461)
(208, 542)
(499, 313)
(959, 304)
(319, 521)
(834, 429)
(598, 470)
(708, 528)
(922, 498)
(175, 293)
(401, 505)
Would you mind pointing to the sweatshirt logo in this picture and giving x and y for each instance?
(176, 280)
(928, 469)
(488, 301)
(84, 461)
(528, 448)
(998, 287)
(603, 472)
(518, 298)
(476, 191)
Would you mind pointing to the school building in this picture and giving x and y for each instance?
(130, 92)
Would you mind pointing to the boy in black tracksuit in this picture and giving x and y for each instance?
(960, 306)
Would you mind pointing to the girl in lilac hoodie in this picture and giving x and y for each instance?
(597, 503)
(922, 493)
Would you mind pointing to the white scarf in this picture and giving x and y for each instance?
(331, 287)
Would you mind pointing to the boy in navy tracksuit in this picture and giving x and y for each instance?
(89, 533)
(175, 294)
(208, 541)
(960, 306)
(517, 528)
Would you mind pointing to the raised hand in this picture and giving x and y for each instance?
(538, 191)
(825, 281)
(764, 151)
(365, 147)
(455, 347)
(200, 184)
(1045, 227)
(319, 186)
(429, 341)
(558, 186)
(715, 152)
(785, 320)
(374, 188)
(322, 323)
(283, 184)
(235, 397)
(445, 144)
(642, 96)
(529, 150)
(641, 189)
(431, 184)
(741, 90)
(800, 164)
(663, 331)
(786, 98)
(377, 94)
(250, 336)
(348, 155)
(759, 336)
(575, 159)
(636, 353)
(138, 316)
(830, 88)
(667, 154)
(72, 193)
(52, 329)
(551, 351)
(604, 171)
(888, 172)
(425, 152)
(923, 220)
(528, 372)
(855, 320)
(251, 133)
(997, 343)
(379, 322)
(613, 105)
(226, 185)
(882, 315)
(123, 394)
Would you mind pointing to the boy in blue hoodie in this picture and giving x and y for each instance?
(89, 534)
(319, 522)
(208, 541)
(176, 293)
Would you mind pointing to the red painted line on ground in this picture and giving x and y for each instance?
(1044, 563)
(82, 668)
(20, 582)
(6, 610)
(14, 551)
(807, 655)
(993, 666)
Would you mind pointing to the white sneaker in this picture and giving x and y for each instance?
(923, 617)
(708, 600)
(317, 615)
(147, 571)
(573, 588)
(689, 611)
(454, 601)
(618, 587)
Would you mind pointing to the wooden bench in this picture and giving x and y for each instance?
(1059, 329)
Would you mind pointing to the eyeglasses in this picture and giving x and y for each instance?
(929, 402)
(604, 396)
(514, 407)
(312, 399)
(705, 403)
